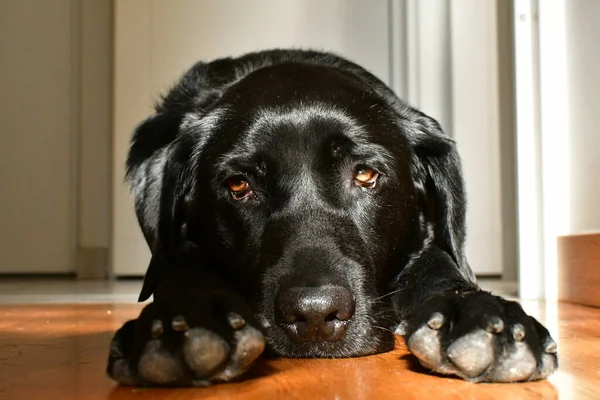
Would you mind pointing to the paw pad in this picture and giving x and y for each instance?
(472, 353)
(204, 351)
(157, 366)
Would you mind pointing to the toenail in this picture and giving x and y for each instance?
(235, 320)
(518, 332)
(436, 321)
(496, 325)
(551, 347)
(157, 328)
(179, 324)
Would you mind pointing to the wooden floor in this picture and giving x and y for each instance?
(59, 352)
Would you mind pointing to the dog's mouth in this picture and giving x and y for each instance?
(331, 330)
(358, 340)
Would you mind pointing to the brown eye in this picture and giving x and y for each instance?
(365, 177)
(239, 188)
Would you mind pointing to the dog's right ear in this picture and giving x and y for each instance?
(159, 172)
(157, 261)
(174, 198)
(160, 166)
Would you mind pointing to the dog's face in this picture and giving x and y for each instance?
(304, 198)
(293, 191)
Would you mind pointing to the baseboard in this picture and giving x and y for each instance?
(579, 269)
(92, 263)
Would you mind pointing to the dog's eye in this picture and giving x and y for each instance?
(365, 177)
(239, 188)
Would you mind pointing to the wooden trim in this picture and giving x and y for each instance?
(94, 101)
(74, 129)
(133, 92)
(578, 269)
(92, 263)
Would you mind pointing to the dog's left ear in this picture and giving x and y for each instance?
(438, 176)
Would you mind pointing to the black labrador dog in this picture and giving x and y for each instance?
(295, 206)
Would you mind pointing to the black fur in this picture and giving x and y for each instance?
(296, 125)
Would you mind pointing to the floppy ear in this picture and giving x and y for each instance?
(146, 161)
(175, 193)
(160, 165)
(437, 173)
(159, 173)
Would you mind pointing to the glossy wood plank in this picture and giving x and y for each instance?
(578, 272)
(59, 352)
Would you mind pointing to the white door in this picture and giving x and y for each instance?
(476, 127)
(37, 205)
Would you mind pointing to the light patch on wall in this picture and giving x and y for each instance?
(554, 116)
(531, 263)
(542, 142)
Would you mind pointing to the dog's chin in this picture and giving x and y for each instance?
(357, 341)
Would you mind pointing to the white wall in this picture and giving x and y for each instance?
(37, 146)
(583, 97)
(476, 127)
(557, 138)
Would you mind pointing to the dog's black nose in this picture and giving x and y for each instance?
(315, 314)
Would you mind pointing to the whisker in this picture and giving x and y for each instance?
(382, 328)
(393, 292)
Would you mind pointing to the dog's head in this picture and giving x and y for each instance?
(309, 187)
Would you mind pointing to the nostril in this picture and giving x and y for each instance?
(347, 312)
(331, 317)
(290, 318)
(343, 316)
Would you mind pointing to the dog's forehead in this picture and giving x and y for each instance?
(302, 126)
(294, 107)
(303, 134)
(300, 103)
(290, 81)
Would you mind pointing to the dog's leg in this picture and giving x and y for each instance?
(198, 331)
(453, 327)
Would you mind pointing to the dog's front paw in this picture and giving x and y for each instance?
(481, 338)
(208, 341)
